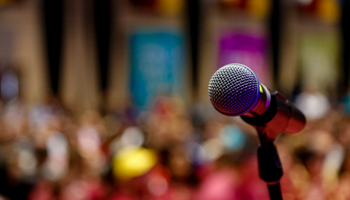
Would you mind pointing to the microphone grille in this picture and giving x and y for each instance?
(234, 89)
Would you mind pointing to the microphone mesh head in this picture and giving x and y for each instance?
(234, 89)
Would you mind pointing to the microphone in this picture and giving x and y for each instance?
(234, 90)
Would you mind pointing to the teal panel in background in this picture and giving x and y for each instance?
(157, 60)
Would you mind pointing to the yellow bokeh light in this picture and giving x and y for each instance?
(133, 162)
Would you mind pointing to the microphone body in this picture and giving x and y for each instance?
(234, 90)
(280, 116)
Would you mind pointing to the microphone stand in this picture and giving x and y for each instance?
(270, 167)
(280, 117)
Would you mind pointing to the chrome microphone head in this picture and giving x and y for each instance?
(234, 89)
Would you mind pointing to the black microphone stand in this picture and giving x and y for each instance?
(270, 167)
(280, 117)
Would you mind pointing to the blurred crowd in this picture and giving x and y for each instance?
(169, 152)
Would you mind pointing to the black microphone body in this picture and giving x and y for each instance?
(234, 90)
(279, 116)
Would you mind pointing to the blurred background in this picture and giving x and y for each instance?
(107, 99)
